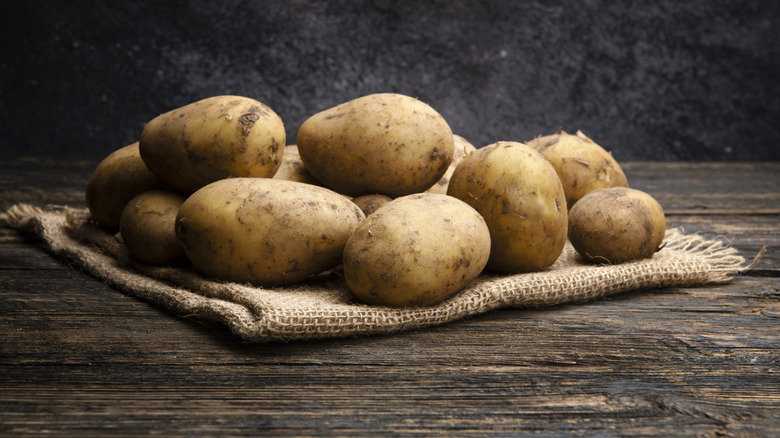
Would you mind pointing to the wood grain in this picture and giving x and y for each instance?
(80, 358)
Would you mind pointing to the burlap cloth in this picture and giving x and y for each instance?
(324, 308)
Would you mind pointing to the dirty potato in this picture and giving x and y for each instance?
(264, 231)
(116, 180)
(616, 225)
(212, 139)
(462, 148)
(293, 169)
(147, 227)
(416, 250)
(384, 143)
(521, 198)
(370, 203)
(581, 164)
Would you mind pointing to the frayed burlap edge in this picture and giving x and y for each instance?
(324, 307)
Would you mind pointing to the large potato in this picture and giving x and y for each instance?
(581, 164)
(147, 227)
(213, 139)
(265, 231)
(416, 250)
(387, 143)
(462, 148)
(616, 225)
(521, 198)
(116, 180)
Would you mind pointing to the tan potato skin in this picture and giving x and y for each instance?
(581, 164)
(616, 225)
(462, 148)
(293, 169)
(521, 198)
(147, 227)
(416, 251)
(265, 231)
(212, 139)
(371, 203)
(384, 143)
(116, 180)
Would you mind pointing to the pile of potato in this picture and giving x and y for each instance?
(379, 186)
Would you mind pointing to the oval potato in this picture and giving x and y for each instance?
(147, 227)
(293, 169)
(521, 198)
(462, 148)
(116, 180)
(416, 250)
(384, 143)
(212, 139)
(264, 231)
(581, 164)
(616, 225)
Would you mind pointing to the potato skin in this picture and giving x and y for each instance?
(383, 143)
(265, 231)
(521, 198)
(212, 139)
(581, 164)
(616, 225)
(462, 148)
(147, 227)
(293, 169)
(116, 180)
(416, 250)
(371, 203)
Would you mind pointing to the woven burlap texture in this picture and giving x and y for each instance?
(324, 307)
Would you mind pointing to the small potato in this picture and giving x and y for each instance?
(416, 250)
(521, 198)
(462, 149)
(147, 227)
(293, 169)
(265, 231)
(581, 164)
(370, 203)
(212, 139)
(116, 180)
(385, 143)
(616, 225)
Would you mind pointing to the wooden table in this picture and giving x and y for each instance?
(80, 358)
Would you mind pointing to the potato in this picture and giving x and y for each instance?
(615, 225)
(521, 198)
(147, 227)
(213, 139)
(386, 143)
(116, 180)
(416, 250)
(370, 203)
(581, 164)
(293, 169)
(264, 231)
(462, 148)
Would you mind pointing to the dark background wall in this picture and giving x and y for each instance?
(648, 80)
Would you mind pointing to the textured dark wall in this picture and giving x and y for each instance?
(649, 80)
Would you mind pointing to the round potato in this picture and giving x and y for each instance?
(147, 227)
(462, 148)
(213, 139)
(616, 225)
(385, 143)
(581, 164)
(264, 231)
(521, 198)
(416, 250)
(371, 203)
(116, 180)
(293, 169)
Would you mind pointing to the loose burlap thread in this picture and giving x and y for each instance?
(323, 307)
